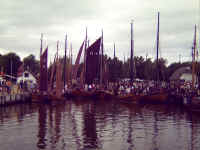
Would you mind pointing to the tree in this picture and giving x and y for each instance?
(148, 69)
(31, 64)
(10, 63)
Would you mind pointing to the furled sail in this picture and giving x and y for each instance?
(58, 78)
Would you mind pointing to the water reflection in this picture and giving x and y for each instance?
(130, 138)
(42, 119)
(106, 125)
(194, 130)
(89, 128)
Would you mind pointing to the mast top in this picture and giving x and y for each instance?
(132, 21)
(41, 44)
(41, 36)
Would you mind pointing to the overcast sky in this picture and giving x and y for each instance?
(23, 21)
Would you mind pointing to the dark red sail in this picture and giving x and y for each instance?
(93, 62)
(75, 69)
(43, 71)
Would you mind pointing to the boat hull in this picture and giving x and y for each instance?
(40, 98)
(129, 98)
(193, 105)
(155, 98)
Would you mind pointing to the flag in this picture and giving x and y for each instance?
(43, 71)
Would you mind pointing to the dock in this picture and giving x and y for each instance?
(9, 99)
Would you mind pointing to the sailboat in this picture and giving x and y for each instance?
(91, 68)
(57, 93)
(159, 96)
(192, 103)
(75, 91)
(130, 97)
(42, 95)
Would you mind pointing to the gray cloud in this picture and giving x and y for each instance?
(23, 21)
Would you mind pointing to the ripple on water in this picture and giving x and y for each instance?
(104, 126)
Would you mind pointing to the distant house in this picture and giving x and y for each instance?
(26, 76)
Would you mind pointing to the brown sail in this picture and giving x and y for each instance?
(43, 71)
(93, 62)
(75, 69)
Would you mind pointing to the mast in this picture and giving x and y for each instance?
(64, 78)
(57, 49)
(41, 44)
(57, 61)
(71, 63)
(85, 53)
(11, 66)
(101, 61)
(157, 47)
(41, 61)
(193, 58)
(52, 73)
(58, 74)
(114, 50)
(124, 58)
(131, 63)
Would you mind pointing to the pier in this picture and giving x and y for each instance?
(8, 99)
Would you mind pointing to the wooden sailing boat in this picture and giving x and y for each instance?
(76, 92)
(130, 97)
(100, 92)
(193, 103)
(56, 93)
(42, 95)
(92, 67)
(159, 96)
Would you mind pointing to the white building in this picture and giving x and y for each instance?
(26, 76)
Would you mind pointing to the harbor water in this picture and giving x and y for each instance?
(98, 125)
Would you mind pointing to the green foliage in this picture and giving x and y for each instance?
(31, 64)
(10, 63)
(144, 68)
(116, 69)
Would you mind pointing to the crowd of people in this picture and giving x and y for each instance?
(9, 87)
(184, 88)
